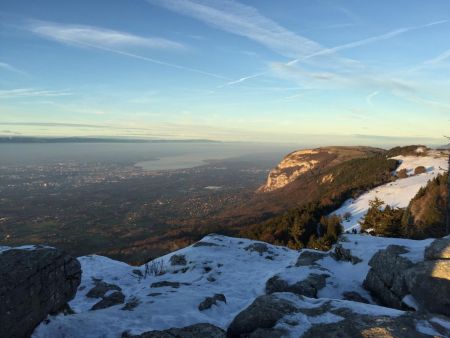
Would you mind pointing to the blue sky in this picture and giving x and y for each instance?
(277, 71)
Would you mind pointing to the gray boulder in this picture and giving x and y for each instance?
(114, 298)
(438, 249)
(342, 254)
(262, 314)
(202, 330)
(308, 258)
(101, 288)
(385, 279)
(429, 283)
(210, 301)
(307, 287)
(34, 283)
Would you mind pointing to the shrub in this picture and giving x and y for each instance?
(403, 173)
(420, 170)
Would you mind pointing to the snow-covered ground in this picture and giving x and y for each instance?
(400, 192)
(228, 267)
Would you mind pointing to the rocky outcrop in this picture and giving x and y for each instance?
(192, 331)
(302, 162)
(288, 315)
(307, 287)
(393, 276)
(309, 257)
(262, 314)
(33, 283)
(342, 254)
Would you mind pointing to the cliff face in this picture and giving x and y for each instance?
(310, 161)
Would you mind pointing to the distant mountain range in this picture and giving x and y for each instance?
(30, 139)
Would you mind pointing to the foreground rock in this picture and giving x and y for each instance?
(289, 315)
(33, 283)
(192, 331)
(393, 276)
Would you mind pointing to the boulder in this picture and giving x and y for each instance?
(114, 298)
(385, 279)
(202, 330)
(263, 313)
(429, 283)
(101, 288)
(342, 254)
(438, 249)
(33, 283)
(307, 287)
(308, 258)
(210, 301)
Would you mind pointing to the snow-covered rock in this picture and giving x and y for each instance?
(237, 269)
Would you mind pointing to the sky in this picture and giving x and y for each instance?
(261, 70)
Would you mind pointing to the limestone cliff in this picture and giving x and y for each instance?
(302, 162)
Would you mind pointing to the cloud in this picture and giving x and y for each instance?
(370, 97)
(111, 41)
(8, 67)
(31, 92)
(90, 35)
(245, 21)
(439, 59)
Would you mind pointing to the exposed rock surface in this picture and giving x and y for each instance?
(308, 258)
(342, 254)
(114, 298)
(178, 260)
(285, 314)
(302, 162)
(210, 301)
(307, 287)
(101, 288)
(192, 331)
(33, 283)
(393, 276)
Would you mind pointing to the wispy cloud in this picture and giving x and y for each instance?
(371, 96)
(10, 68)
(31, 92)
(439, 59)
(111, 41)
(246, 21)
(90, 35)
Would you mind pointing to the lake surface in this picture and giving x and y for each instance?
(150, 156)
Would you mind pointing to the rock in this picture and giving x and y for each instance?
(385, 279)
(355, 297)
(131, 304)
(367, 327)
(114, 298)
(162, 284)
(138, 272)
(101, 288)
(438, 249)
(342, 254)
(289, 315)
(34, 283)
(258, 247)
(429, 283)
(263, 313)
(202, 243)
(178, 260)
(308, 258)
(307, 287)
(210, 301)
(202, 330)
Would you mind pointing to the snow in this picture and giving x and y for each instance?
(23, 247)
(398, 193)
(239, 274)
